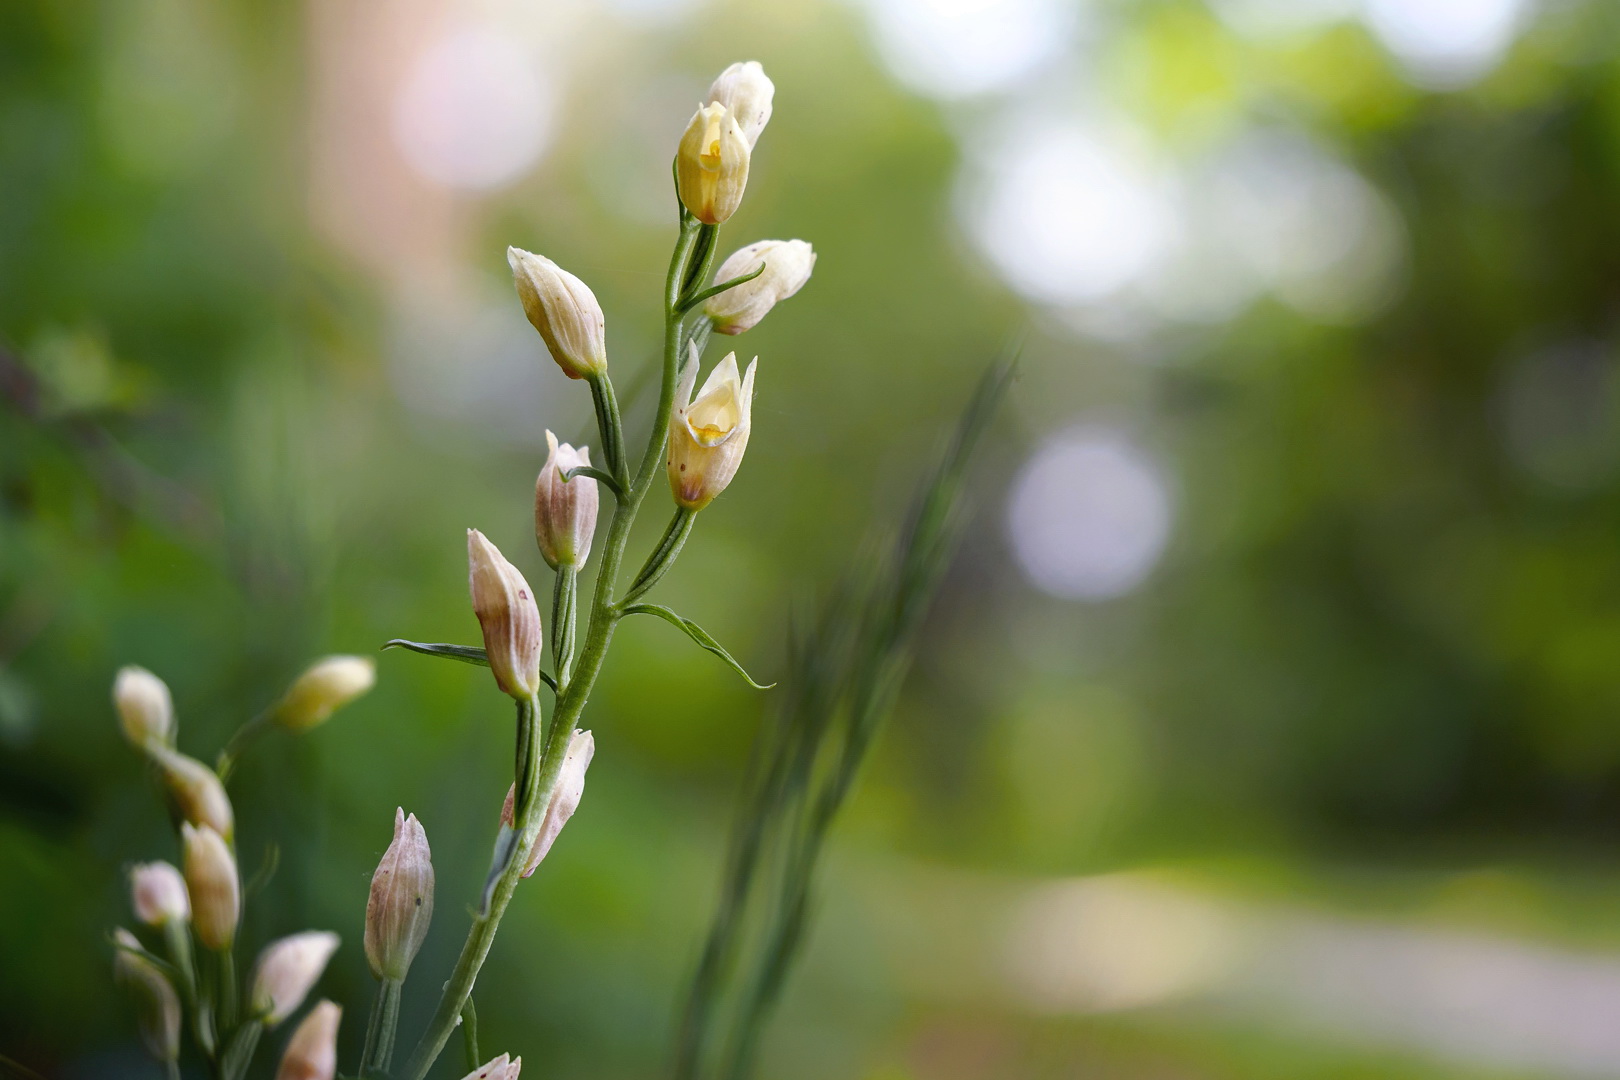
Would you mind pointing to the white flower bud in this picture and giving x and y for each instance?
(145, 708)
(196, 790)
(787, 263)
(157, 1006)
(564, 512)
(711, 165)
(707, 435)
(323, 688)
(311, 1053)
(287, 969)
(564, 310)
(400, 906)
(158, 893)
(507, 614)
(211, 882)
(746, 93)
(564, 801)
(501, 1068)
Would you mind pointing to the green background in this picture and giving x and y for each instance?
(259, 377)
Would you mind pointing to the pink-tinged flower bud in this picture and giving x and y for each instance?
(711, 165)
(311, 1053)
(401, 903)
(157, 1006)
(707, 435)
(501, 1068)
(159, 894)
(507, 614)
(195, 790)
(216, 895)
(564, 511)
(746, 92)
(145, 709)
(287, 969)
(787, 263)
(564, 801)
(326, 686)
(564, 310)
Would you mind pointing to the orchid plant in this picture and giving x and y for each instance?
(187, 981)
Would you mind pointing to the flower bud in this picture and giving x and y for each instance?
(323, 688)
(157, 1006)
(707, 436)
(500, 1068)
(746, 92)
(787, 267)
(216, 895)
(287, 969)
(144, 707)
(564, 511)
(401, 903)
(159, 894)
(564, 801)
(564, 310)
(506, 612)
(711, 165)
(311, 1053)
(195, 790)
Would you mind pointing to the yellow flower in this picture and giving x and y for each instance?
(312, 1051)
(400, 906)
(564, 310)
(507, 614)
(144, 706)
(216, 895)
(323, 688)
(707, 435)
(787, 263)
(564, 511)
(746, 92)
(711, 166)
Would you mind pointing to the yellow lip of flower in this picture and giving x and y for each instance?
(711, 164)
(710, 432)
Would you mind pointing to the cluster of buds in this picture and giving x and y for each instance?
(197, 909)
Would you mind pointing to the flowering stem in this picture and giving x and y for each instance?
(380, 1031)
(537, 780)
(539, 773)
(225, 1014)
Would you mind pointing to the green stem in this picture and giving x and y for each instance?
(171, 1069)
(609, 425)
(379, 1049)
(564, 602)
(225, 1014)
(663, 556)
(177, 938)
(469, 1036)
(240, 741)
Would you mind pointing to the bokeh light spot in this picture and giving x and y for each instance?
(473, 111)
(1090, 515)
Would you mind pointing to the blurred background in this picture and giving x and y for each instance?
(1268, 725)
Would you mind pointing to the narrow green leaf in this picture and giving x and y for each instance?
(467, 654)
(697, 634)
(238, 1055)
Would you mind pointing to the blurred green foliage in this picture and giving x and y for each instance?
(1381, 653)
